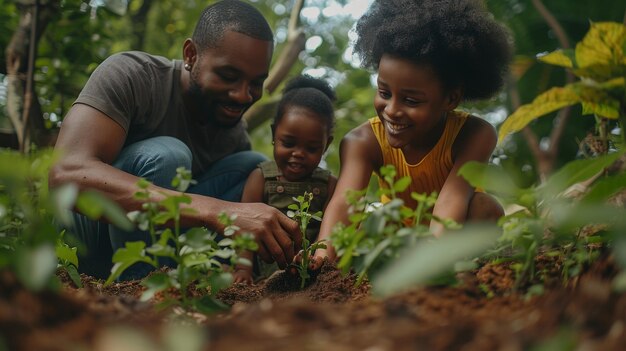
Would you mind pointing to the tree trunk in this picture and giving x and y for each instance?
(22, 104)
(139, 24)
(296, 40)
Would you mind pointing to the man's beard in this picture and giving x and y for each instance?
(207, 108)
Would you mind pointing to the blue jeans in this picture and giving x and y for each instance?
(156, 160)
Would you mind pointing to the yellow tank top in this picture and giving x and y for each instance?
(431, 172)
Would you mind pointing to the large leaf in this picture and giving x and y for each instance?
(602, 45)
(595, 100)
(575, 172)
(605, 188)
(551, 100)
(492, 178)
(133, 252)
(428, 259)
(564, 58)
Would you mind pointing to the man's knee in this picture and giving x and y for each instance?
(484, 208)
(155, 159)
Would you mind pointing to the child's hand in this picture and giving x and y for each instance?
(321, 255)
(242, 275)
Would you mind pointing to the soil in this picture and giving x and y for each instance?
(329, 314)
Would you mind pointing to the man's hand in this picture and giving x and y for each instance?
(276, 234)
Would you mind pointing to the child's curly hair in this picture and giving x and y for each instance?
(459, 38)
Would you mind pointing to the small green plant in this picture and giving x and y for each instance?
(300, 212)
(377, 233)
(195, 252)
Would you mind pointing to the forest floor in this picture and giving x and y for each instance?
(331, 313)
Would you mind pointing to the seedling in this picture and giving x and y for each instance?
(376, 234)
(195, 252)
(300, 212)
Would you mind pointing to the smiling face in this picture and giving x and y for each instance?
(411, 102)
(300, 139)
(225, 80)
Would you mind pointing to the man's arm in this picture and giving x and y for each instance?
(475, 142)
(90, 141)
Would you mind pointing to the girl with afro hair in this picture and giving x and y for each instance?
(430, 55)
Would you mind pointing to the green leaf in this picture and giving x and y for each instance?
(575, 172)
(125, 257)
(194, 259)
(63, 200)
(402, 184)
(605, 188)
(551, 100)
(155, 283)
(491, 178)
(567, 217)
(595, 100)
(560, 57)
(95, 205)
(420, 263)
(35, 266)
(72, 271)
(602, 45)
(209, 305)
(66, 253)
(219, 281)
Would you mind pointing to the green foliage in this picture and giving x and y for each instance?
(599, 61)
(195, 252)
(300, 212)
(428, 259)
(547, 221)
(377, 233)
(31, 243)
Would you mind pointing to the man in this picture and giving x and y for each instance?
(141, 115)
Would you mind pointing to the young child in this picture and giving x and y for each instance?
(301, 133)
(430, 56)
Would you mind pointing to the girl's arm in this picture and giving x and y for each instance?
(475, 142)
(359, 155)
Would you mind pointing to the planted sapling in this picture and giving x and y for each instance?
(300, 212)
(194, 253)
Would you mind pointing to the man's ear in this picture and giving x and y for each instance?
(190, 52)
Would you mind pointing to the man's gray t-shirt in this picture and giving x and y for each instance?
(142, 93)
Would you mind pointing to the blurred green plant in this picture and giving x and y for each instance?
(32, 245)
(548, 219)
(300, 212)
(195, 253)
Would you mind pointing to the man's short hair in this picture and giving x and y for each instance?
(232, 15)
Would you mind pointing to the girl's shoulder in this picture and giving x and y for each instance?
(475, 130)
(361, 143)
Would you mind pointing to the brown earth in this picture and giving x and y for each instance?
(329, 314)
